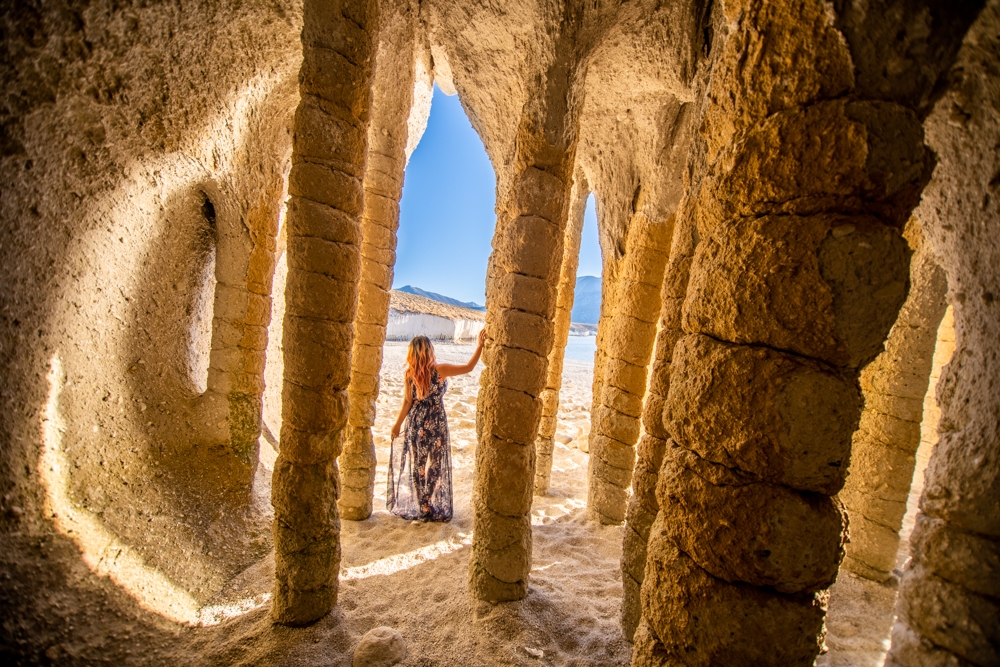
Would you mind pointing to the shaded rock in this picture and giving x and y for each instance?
(380, 647)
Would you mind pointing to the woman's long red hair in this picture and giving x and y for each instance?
(419, 362)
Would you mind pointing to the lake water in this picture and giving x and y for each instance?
(581, 348)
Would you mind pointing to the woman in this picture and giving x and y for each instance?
(420, 469)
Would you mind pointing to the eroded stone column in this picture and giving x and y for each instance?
(948, 609)
(520, 297)
(545, 443)
(245, 260)
(643, 506)
(392, 98)
(885, 445)
(521, 294)
(324, 265)
(797, 278)
(629, 344)
(608, 302)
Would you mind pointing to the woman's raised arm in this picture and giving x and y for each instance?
(450, 370)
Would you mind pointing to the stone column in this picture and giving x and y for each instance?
(321, 294)
(885, 445)
(629, 344)
(521, 294)
(609, 301)
(520, 299)
(797, 279)
(232, 406)
(545, 443)
(643, 506)
(949, 596)
(392, 98)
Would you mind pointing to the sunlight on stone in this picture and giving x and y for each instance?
(103, 553)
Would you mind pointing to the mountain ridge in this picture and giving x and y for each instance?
(586, 299)
(440, 298)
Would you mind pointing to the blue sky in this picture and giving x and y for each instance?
(447, 216)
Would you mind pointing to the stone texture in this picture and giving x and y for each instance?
(629, 338)
(893, 385)
(798, 194)
(380, 647)
(816, 275)
(531, 221)
(799, 415)
(545, 443)
(946, 610)
(695, 619)
(392, 102)
(762, 534)
(321, 293)
(643, 505)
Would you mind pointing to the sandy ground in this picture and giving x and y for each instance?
(415, 574)
(412, 576)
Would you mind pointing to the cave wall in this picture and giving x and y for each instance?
(947, 605)
(145, 155)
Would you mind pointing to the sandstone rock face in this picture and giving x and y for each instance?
(883, 447)
(564, 303)
(798, 203)
(388, 138)
(692, 618)
(143, 165)
(763, 534)
(631, 332)
(643, 505)
(528, 245)
(799, 415)
(947, 606)
(324, 269)
(810, 297)
(380, 647)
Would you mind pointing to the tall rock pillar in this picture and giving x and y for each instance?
(798, 276)
(545, 443)
(520, 299)
(629, 345)
(948, 609)
(883, 453)
(392, 98)
(643, 506)
(521, 294)
(321, 294)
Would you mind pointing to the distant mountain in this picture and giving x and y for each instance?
(409, 289)
(587, 300)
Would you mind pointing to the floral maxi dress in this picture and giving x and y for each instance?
(420, 469)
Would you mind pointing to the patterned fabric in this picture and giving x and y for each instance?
(420, 469)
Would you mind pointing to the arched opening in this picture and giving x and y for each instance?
(388, 563)
(445, 225)
(586, 313)
(446, 213)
